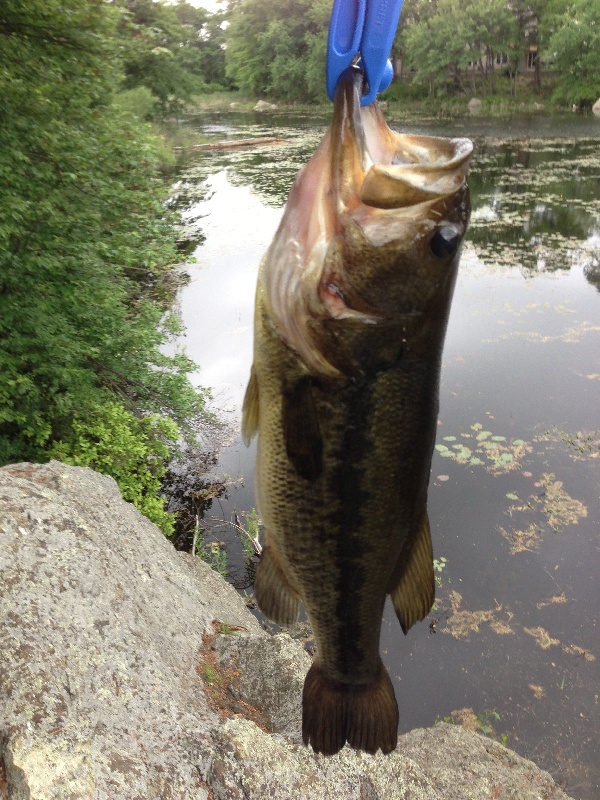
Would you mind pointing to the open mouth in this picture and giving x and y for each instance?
(391, 170)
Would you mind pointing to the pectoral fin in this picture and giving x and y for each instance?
(303, 443)
(274, 595)
(250, 410)
(412, 592)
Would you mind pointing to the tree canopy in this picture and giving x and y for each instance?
(572, 45)
(278, 47)
(86, 251)
(176, 51)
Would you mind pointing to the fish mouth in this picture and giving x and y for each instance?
(380, 168)
(388, 190)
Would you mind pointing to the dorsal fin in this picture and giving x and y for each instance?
(250, 409)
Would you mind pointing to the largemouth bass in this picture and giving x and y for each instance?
(352, 304)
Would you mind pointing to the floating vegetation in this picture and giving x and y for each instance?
(438, 567)
(582, 445)
(571, 335)
(545, 641)
(500, 627)
(559, 509)
(559, 598)
(538, 691)
(461, 623)
(542, 637)
(536, 205)
(579, 651)
(478, 723)
(481, 447)
(527, 540)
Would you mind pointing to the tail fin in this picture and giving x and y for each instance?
(364, 715)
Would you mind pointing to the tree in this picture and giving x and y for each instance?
(316, 44)
(444, 40)
(86, 248)
(572, 45)
(278, 47)
(205, 53)
(430, 50)
(176, 51)
(246, 62)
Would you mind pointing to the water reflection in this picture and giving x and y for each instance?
(535, 199)
(515, 485)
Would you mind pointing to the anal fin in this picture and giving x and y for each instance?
(412, 592)
(274, 595)
(333, 713)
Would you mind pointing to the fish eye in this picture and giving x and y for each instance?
(445, 241)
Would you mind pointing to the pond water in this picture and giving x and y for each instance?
(512, 646)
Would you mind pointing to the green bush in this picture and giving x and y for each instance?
(87, 257)
(404, 90)
(139, 101)
(133, 450)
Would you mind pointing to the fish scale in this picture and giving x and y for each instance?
(351, 311)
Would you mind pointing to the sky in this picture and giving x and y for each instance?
(209, 5)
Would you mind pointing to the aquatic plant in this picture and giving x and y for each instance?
(211, 552)
(480, 447)
(438, 566)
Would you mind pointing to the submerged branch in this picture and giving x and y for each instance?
(240, 529)
(230, 144)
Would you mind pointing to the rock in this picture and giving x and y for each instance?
(271, 678)
(475, 105)
(262, 105)
(129, 671)
(101, 625)
(596, 107)
(441, 763)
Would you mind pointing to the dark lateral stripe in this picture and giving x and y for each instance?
(347, 481)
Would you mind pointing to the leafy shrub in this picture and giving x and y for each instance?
(87, 256)
(402, 90)
(139, 101)
(133, 450)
